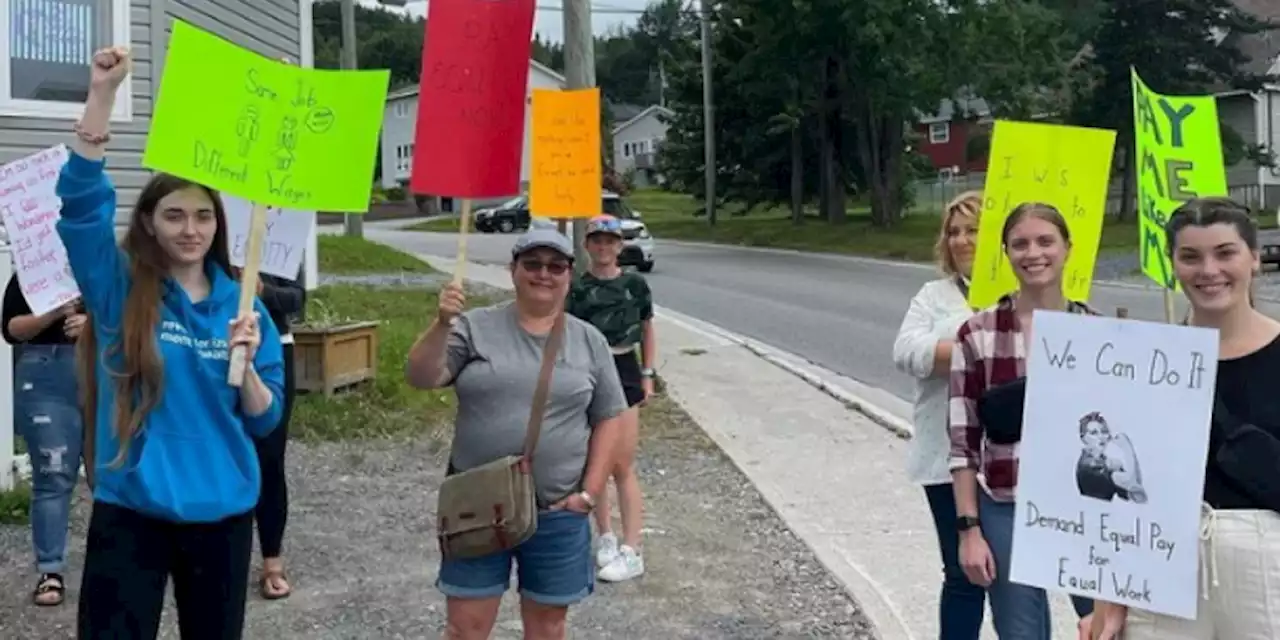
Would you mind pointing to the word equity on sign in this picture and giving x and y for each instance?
(287, 235)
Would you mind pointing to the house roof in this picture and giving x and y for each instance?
(621, 112)
(412, 90)
(949, 109)
(653, 109)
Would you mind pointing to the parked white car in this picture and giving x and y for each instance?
(637, 242)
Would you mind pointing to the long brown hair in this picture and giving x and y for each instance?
(132, 357)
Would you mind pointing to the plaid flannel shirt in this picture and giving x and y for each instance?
(990, 350)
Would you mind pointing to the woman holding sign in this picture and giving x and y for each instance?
(492, 357)
(923, 350)
(175, 475)
(1214, 246)
(46, 415)
(990, 355)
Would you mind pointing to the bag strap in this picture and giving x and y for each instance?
(539, 408)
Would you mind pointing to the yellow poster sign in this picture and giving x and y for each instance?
(1179, 153)
(264, 130)
(566, 154)
(1067, 167)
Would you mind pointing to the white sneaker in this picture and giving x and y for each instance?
(626, 566)
(607, 552)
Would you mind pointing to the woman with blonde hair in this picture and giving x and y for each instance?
(923, 350)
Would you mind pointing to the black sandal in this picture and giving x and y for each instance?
(49, 583)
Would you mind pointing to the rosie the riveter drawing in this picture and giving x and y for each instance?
(1108, 467)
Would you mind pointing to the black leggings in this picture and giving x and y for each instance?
(128, 562)
(272, 511)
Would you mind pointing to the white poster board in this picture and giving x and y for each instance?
(1114, 440)
(286, 241)
(31, 209)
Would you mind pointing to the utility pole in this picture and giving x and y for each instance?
(708, 117)
(353, 223)
(579, 73)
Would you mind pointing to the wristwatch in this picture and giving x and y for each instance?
(586, 497)
(647, 372)
(965, 523)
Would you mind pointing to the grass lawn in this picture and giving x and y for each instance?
(342, 255)
(670, 215)
(443, 225)
(15, 505)
(387, 406)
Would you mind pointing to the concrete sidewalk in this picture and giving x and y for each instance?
(834, 476)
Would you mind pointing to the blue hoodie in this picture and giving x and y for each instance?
(193, 458)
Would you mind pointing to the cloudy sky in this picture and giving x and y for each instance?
(549, 17)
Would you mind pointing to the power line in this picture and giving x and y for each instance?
(594, 9)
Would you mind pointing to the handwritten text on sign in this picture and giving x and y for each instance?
(566, 154)
(471, 105)
(1067, 167)
(264, 130)
(284, 244)
(1179, 153)
(1108, 505)
(30, 209)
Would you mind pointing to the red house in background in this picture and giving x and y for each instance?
(957, 138)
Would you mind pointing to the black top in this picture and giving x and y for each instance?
(15, 304)
(283, 299)
(1246, 386)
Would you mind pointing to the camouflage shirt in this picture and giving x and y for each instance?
(617, 306)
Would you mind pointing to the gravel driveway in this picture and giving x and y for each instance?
(721, 565)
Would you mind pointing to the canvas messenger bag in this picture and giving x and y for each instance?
(494, 507)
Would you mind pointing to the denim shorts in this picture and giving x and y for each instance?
(553, 567)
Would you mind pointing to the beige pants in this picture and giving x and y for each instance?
(1240, 583)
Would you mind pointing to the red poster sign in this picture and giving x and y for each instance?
(471, 106)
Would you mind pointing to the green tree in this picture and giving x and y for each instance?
(1185, 47)
(384, 40)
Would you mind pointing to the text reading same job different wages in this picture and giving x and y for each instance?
(267, 133)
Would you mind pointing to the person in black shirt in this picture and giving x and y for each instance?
(1214, 246)
(47, 415)
(284, 299)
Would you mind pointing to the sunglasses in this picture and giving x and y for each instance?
(555, 268)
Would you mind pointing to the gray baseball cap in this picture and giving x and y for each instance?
(549, 238)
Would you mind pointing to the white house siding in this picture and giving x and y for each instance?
(1271, 122)
(1239, 113)
(647, 126)
(269, 27)
(400, 117)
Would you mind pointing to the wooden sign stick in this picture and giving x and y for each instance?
(464, 225)
(248, 286)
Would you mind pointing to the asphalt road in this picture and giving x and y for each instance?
(840, 312)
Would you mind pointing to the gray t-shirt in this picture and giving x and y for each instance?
(495, 364)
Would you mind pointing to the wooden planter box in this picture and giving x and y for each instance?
(329, 358)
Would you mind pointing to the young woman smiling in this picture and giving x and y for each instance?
(169, 443)
(1214, 246)
(990, 351)
(923, 350)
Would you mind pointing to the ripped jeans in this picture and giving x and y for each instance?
(47, 416)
